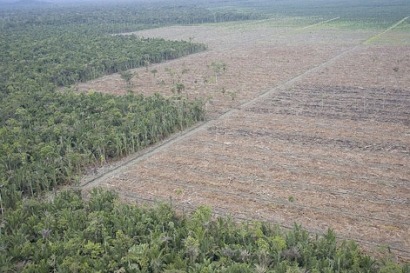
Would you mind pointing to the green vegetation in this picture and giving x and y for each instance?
(116, 18)
(351, 14)
(62, 58)
(49, 137)
(218, 68)
(379, 13)
(68, 234)
(64, 45)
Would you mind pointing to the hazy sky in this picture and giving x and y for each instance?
(102, 1)
(80, 1)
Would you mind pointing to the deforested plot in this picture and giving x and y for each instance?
(320, 170)
(257, 55)
(390, 106)
(308, 124)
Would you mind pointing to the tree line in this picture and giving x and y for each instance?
(66, 57)
(49, 137)
(121, 17)
(69, 234)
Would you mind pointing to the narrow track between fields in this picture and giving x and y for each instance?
(204, 125)
(371, 39)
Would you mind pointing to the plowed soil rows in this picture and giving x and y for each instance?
(330, 150)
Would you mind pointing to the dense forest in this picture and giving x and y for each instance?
(48, 139)
(113, 18)
(69, 234)
(49, 136)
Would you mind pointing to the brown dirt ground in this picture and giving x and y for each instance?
(330, 149)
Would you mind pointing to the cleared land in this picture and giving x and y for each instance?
(316, 128)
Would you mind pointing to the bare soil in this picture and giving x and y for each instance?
(316, 131)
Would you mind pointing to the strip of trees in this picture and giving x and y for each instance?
(120, 17)
(68, 57)
(69, 234)
(49, 137)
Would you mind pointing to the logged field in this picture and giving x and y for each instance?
(258, 56)
(310, 123)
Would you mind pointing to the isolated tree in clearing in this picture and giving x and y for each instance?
(218, 67)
